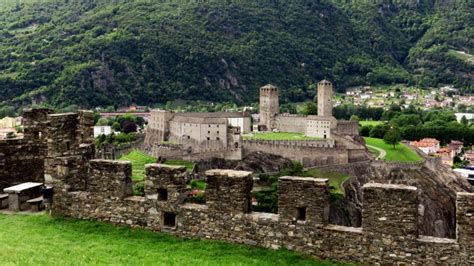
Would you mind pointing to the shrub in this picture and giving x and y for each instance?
(139, 189)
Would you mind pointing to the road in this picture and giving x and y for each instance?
(382, 154)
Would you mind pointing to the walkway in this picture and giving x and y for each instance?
(382, 154)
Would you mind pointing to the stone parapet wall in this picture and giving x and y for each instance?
(309, 153)
(389, 234)
(22, 159)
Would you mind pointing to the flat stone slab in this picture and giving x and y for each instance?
(22, 187)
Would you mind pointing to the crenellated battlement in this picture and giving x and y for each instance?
(327, 143)
(389, 232)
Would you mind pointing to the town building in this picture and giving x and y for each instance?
(8, 122)
(469, 156)
(447, 155)
(102, 130)
(427, 145)
(469, 116)
(456, 146)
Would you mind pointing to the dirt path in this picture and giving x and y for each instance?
(382, 154)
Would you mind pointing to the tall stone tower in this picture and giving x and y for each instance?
(269, 105)
(325, 98)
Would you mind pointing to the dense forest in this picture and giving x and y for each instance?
(99, 53)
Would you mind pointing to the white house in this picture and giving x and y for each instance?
(102, 130)
(469, 116)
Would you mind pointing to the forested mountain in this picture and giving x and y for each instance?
(97, 53)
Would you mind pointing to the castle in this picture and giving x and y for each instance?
(323, 125)
(196, 136)
(62, 149)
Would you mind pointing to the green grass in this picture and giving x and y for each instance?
(401, 153)
(278, 136)
(199, 184)
(140, 159)
(40, 240)
(370, 123)
(335, 178)
(189, 165)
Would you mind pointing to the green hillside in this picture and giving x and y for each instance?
(99, 53)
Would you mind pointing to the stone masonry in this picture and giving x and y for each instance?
(388, 235)
(22, 159)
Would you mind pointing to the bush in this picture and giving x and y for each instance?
(365, 130)
(139, 189)
(198, 199)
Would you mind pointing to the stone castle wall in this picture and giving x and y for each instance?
(22, 159)
(388, 235)
(309, 153)
(291, 123)
(103, 190)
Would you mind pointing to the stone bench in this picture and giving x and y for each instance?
(36, 204)
(3, 201)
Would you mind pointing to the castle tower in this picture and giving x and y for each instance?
(269, 105)
(325, 98)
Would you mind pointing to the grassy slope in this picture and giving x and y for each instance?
(140, 159)
(401, 153)
(335, 178)
(39, 240)
(370, 123)
(278, 136)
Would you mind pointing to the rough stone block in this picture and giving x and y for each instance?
(229, 191)
(390, 209)
(110, 178)
(303, 199)
(465, 218)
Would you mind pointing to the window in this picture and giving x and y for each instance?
(169, 219)
(208, 132)
(162, 194)
(217, 138)
(208, 138)
(301, 213)
(68, 146)
(217, 132)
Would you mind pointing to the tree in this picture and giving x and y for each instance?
(309, 108)
(355, 118)
(116, 126)
(379, 131)
(392, 137)
(464, 121)
(129, 127)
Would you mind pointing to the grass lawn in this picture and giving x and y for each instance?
(139, 159)
(189, 165)
(335, 178)
(370, 123)
(278, 136)
(401, 153)
(40, 240)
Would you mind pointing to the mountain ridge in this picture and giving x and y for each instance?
(98, 53)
